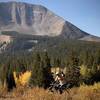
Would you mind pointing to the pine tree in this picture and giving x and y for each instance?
(37, 72)
(9, 77)
(57, 62)
(47, 71)
(73, 70)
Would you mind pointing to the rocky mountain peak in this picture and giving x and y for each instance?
(29, 19)
(33, 19)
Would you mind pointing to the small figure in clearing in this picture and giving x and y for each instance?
(60, 78)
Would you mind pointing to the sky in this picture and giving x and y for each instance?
(85, 14)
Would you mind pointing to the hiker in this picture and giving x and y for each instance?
(60, 78)
(60, 81)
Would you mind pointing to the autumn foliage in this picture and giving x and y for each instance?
(23, 78)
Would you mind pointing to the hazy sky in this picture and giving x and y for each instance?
(85, 14)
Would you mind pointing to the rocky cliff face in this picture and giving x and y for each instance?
(29, 19)
(36, 20)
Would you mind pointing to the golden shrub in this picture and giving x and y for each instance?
(23, 78)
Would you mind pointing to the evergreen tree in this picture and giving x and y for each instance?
(9, 77)
(73, 70)
(57, 62)
(47, 71)
(37, 72)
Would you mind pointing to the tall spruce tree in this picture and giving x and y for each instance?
(37, 72)
(73, 70)
(47, 71)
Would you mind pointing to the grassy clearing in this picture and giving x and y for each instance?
(83, 92)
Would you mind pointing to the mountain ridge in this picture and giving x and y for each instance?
(32, 19)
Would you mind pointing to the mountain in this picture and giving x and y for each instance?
(32, 27)
(37, 20)
(29, 19)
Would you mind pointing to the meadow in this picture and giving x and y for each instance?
(83, 92)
